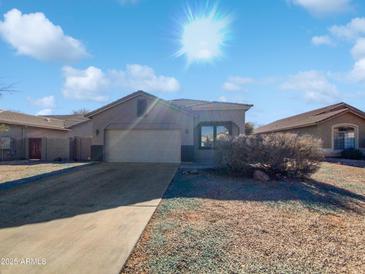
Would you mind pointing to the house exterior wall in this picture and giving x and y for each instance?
(124, 116)
(325, 129)
(84, 129)
(162, 116)
(55, 143)
(235, 117)
(17, 151)
(159, 115)
(55, 148)
(311, 130)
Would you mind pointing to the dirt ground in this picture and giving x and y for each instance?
(208, 223)
(15, 170)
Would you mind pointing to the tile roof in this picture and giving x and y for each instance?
(71, 119)
(17, 118)
(208, 105)
(308, 118)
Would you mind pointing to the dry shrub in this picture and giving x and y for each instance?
(279, 153)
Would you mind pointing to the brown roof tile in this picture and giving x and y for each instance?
(308, 118)
(70, 119)
(17, 118)
(208, 105)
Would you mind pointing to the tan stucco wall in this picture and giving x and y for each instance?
(55, 143)
(325, 128)
(238, 127)
(54, 148)
(235, 116)
(18, 147)
(32, 132)
(84, 129)
(160, 115)
(311, 130)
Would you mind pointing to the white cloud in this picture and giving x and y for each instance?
(352, 30)
(140, 77)
(92, 83)
(44, 102)
(46, 111)
(236, 83)
(358, 51)
(322, 40)
(314, 85)
(34, 35)
(323, 7)
(358, 71)
(88, 84)
(222, 98)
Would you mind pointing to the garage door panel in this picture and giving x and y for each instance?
(160, 146)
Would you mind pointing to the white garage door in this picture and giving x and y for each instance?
(156, 146)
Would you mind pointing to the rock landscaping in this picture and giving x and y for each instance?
(212, 223)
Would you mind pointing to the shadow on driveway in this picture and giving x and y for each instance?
(85, 190)
(106, 186)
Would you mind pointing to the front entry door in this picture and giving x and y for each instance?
(35, 148)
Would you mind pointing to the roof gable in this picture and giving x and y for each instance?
(130, 97)
(310, 118)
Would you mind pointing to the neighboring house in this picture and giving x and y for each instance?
(139, 127)
(339, 126)
(32, 137)
(143, 128)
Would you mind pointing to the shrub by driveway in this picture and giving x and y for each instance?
(211, 223)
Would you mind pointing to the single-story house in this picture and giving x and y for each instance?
(24, 136)
(139, 127)
(339, 126)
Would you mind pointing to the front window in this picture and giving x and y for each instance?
(344, 138)
(209, 134)
(221, 132)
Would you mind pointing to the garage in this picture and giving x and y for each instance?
(148, 146)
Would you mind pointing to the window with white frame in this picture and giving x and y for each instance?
(344, 137)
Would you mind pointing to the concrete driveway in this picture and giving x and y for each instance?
(87, 221)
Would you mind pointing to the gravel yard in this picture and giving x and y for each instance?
(212, 223)
(10, 171)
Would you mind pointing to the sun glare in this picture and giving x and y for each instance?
(203, 34)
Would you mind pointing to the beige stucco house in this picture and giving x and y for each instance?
(25, 136)
(144, 128)
(139, 127)
(339, 126)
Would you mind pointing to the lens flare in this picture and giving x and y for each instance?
(204, 34)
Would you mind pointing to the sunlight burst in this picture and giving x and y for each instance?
(204, 34)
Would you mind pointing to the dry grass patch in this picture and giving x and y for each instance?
(211, 223)
(11, 171)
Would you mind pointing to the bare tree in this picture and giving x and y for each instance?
(81, 111)
(6, 88)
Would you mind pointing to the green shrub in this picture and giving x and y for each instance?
(285, 154)
(352, 153)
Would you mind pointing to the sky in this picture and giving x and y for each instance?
(283, 56)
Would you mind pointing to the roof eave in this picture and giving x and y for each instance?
(32, 125)
(286, 128)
